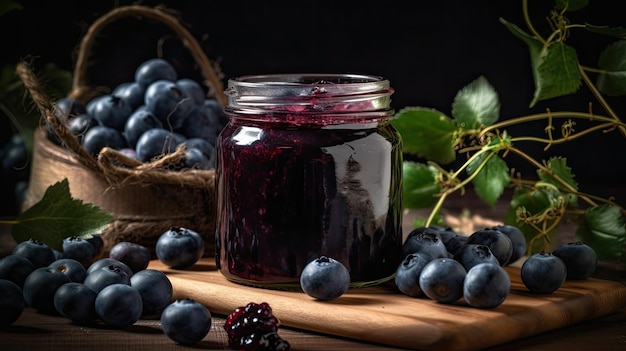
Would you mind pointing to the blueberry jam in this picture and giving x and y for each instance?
(308, 166)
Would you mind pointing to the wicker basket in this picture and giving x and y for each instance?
(145, 199)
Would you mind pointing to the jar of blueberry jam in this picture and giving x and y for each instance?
(308, 165)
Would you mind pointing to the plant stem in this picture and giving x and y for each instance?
(601, 99)
(548, 172)
(529, 23)
(558, 114)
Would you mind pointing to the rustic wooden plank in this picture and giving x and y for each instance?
(382, 315)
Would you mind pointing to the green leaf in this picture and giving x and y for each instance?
(571, 5)
(612, 60)
(491, 179)
(618, 32)
(476, 105)
(555, 66)
(419, 185)
(57, 216)
(559, 168)
(426, 133)
(603, 228)
(558, 73)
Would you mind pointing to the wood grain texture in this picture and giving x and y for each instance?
(382, 315)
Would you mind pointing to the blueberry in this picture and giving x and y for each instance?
(155, 289)
(202, 123)
(169, 103)
(111, 111)
(195, 159)
(470, 255)
(179, 247)
(580, 259)
(498, 242)
(67, 108)
(206, 158)
(15, 268)
(11, 302)
(105, 276)
(543, 273)
(486, 285)
(201, 144)
(97, 243)
(425, 239)
(155, 69)
(76, 301)
(442, 280)
(97, 137)
(192, 89)
(138, 123)
(517, 239)
(135, 256)
(80, 124)
(132, 92)
(408, 273)
(37, 252)
(451, 239)
(73, 269)
(186, 321)
(119, 305)
(106, 261)
(40, 287)
(325, 278)
(78, 249)
(156, 142)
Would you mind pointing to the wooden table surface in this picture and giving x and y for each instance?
(34, 331)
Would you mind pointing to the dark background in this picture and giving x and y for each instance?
(427, 49)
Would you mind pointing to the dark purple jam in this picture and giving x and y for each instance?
(289, 192)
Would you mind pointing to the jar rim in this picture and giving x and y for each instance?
(309, 93)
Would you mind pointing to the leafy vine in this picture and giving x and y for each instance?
(538, 206)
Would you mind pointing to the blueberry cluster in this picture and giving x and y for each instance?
(254, 328)
(148, 117)
(445, 266)
(116, 290)
(73, 284)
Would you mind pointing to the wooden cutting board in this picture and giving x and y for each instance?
(381, 314)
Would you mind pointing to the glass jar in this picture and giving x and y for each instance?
(308, 165)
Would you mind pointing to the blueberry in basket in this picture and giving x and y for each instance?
(146, 117)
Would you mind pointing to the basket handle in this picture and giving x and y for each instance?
(80, 83)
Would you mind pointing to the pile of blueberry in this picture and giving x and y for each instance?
(148, 117)
(444, 266)
(116, 290)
